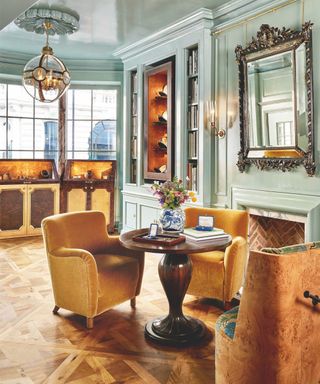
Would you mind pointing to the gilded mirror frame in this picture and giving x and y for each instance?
(271, 41)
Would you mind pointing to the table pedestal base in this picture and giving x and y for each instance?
(183, 330)
(175, 328)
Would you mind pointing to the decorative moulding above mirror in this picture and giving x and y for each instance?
(263, 118)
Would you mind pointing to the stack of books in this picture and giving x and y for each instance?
(196, 235)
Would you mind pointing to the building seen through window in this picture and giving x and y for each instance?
(92, 124)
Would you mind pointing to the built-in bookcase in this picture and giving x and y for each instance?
(133, 126)
(192, 118)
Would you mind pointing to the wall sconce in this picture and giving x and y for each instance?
(218, 132)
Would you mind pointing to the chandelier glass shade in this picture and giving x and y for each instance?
(45, 77)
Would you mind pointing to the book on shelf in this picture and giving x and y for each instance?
(193, 62)
(193, 117)
(134, 148)
(193, 144)
(134, 82)
(195, 235)
(193, 176)
(134, 104)
(134, 126)
(193, 90)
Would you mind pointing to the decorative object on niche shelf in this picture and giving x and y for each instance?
(164, 117)
(163, 142)
(163, 93)
(161, 169)
(171, 195)
(45, 77)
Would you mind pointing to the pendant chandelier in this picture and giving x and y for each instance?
(45, 77)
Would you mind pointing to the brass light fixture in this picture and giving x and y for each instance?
(45, 77)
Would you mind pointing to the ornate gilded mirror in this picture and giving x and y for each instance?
(276, 107)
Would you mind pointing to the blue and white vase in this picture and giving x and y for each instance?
(172, 219)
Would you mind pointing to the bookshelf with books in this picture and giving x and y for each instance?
(133, 126)
(192, 117)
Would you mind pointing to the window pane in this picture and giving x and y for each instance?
(47, 110)
(104, 135)
(20, 103)
(82, 104)
(3, 134)
(78, 155)
(82, 135)
(103, 155)
(3, 99)
(20, 154)
(104, 104)
(20, 134)
(69, 136)
(46, 136)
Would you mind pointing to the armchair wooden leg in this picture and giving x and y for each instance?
(89, 322)
(55, 309)
(133, 302)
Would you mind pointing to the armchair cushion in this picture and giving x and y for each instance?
(226, 323)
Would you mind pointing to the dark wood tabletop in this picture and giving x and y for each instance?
(126, 239)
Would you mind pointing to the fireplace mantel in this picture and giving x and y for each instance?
(305, 206)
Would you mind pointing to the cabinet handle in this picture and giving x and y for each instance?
(314, 298)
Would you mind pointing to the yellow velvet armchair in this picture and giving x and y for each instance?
(273, 336)
(90, 271)
(219, 274)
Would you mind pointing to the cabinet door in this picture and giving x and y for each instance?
(100, 201)
(13, 210)
(76, 200)
(43, 201)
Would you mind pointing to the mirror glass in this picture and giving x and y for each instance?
(276, 124)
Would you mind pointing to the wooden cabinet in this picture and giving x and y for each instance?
(29, 192)
(89, 185)
(158, 122)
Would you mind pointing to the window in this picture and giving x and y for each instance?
(285, 134)
(91, 124)
(28, 128)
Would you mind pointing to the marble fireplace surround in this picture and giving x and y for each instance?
(282, 205)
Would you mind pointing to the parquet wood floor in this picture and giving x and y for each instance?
(39, 347)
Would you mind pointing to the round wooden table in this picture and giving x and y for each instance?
(175, 269)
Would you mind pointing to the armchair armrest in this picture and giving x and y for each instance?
(234, 263)
(75, 279)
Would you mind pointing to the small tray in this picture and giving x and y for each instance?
(160, 239)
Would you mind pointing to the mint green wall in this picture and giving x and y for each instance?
(226, 88)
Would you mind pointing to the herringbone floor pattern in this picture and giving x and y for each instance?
(39, 347)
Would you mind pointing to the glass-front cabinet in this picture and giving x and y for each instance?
(158, 122)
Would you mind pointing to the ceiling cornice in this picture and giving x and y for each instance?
(236, 11)
(20, 59)
(201, 18)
